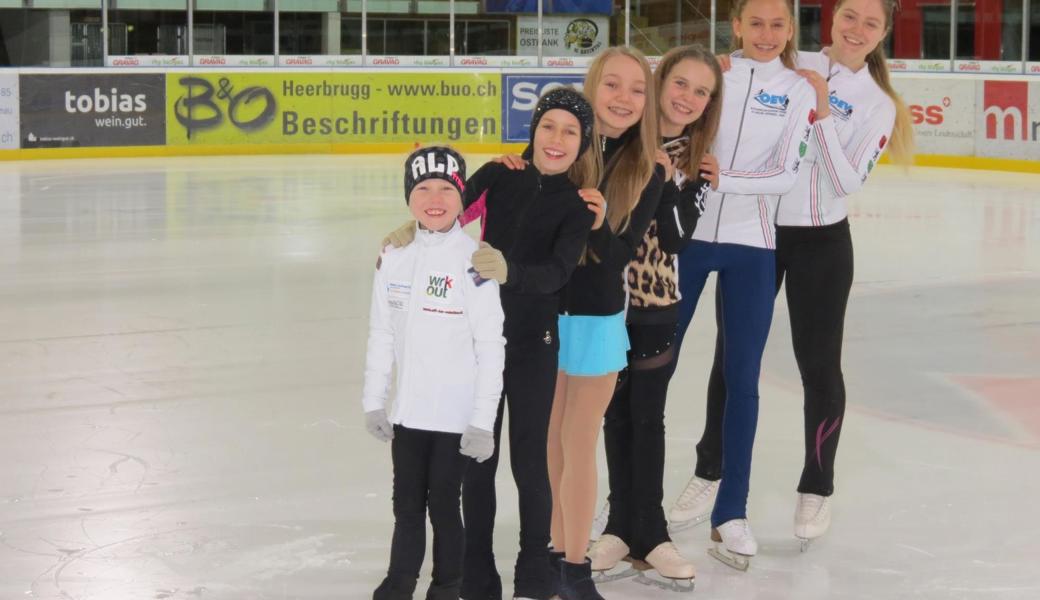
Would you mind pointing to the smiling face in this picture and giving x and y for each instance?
(764, 28)
(436, 204)
(859, 26)
(685, 94)
(620, 96)
(557, 140)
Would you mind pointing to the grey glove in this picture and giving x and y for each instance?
(378, 425)
(477, 443)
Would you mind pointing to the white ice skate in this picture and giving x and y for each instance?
(812, 518)
(675, 573)
(600, 522)
(607, 554)
(693, 505)
(734, 544)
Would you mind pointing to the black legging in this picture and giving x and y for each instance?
(529, 381)
(818, 265)
(633, 433)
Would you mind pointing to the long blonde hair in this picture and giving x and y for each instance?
(701, 133)
(789, 56)
(901, 146)
(632, 166)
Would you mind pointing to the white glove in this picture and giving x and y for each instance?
(378, 425)
(477, 443)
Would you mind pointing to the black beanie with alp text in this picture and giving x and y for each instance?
(434, 162)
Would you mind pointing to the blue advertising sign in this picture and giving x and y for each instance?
(520, 95)
(549, 7)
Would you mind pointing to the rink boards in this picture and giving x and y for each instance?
(960, 120)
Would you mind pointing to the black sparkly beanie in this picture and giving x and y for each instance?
(572, 101)
(434, 162)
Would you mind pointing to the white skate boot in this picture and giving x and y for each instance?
(606, 555)
(734, 544)
(812, 518)
(600, 522)
(693, 505)
(677, 572)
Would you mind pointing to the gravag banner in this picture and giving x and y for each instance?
(73, 110)
(293, 107)
(520, 96)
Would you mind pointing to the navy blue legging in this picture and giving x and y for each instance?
(747, 284)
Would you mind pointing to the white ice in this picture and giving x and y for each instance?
(181, 350)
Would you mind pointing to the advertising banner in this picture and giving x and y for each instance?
(366, 107)
(520, 95)
(563, 36)
(1007, 119)
(943, 112)
(221, 61)
(321, 60)
(147, 60)
(1000, 67)
(8, 111)
(59, 111)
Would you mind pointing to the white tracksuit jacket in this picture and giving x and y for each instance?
(843, 148)
(764, 130)
(443, 332)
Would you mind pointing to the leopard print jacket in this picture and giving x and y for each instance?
(653, 280)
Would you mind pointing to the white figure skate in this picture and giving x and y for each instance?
(812, 518)
(734, 544)
(675, 573)
(607, 555)
(693, 505)
(600, 522)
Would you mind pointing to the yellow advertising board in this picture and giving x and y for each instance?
(204, 108)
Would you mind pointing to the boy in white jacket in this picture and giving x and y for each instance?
(441, 325)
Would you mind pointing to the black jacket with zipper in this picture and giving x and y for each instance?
(541, 226)
(597, 287)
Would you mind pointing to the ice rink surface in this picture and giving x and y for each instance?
(181, 353)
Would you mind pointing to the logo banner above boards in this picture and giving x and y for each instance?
(81, 110)
(520, 95)
(353, 107)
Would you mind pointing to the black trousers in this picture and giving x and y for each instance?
(633, 433)
(529, 381)
(817, 263)
(428, 472)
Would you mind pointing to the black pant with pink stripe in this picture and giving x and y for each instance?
(817, 264)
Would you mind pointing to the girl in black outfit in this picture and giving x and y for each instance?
(593, 339)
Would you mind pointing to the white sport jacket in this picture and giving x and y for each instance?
(441, 329)
(767, 114)
(843, 148)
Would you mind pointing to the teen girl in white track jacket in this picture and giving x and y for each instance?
(441, 329)
(766, 121)
(843, 149)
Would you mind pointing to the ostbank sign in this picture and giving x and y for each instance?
(521, 94)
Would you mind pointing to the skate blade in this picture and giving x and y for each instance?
(677, 526)
(736, 561)
(804, 544)
(668, 584)
(616, 574)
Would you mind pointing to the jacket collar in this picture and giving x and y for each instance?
(434, 238)
(762, 69)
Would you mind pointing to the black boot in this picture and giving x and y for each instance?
(576, 581)
(444, 591)
(555, 558)
(392, 589)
